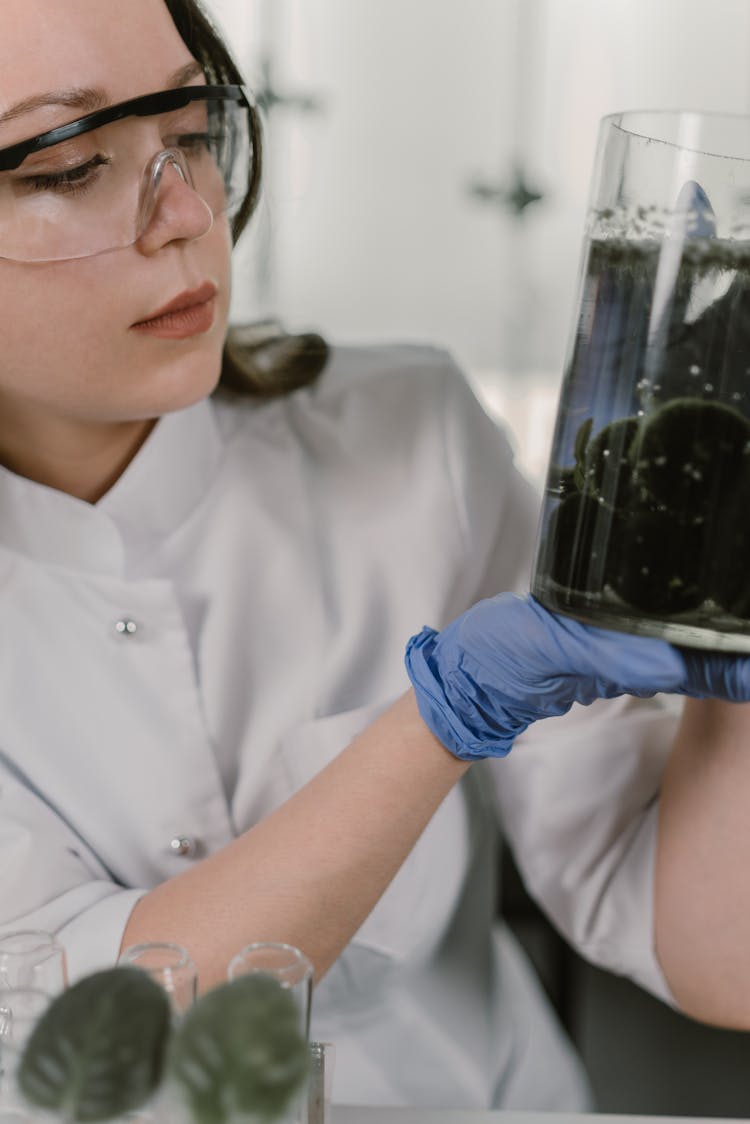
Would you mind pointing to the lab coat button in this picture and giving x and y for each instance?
(184, 846)
(126, 627)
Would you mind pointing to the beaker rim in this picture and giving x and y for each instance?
(642, 124)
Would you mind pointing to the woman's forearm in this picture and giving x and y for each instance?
(703, 864)
(310, 872)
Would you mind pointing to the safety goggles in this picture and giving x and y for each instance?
(92, 185)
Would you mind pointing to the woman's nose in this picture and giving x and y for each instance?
(171, 209)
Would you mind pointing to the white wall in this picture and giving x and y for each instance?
(367, 220)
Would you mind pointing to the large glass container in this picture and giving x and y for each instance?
(645, 524)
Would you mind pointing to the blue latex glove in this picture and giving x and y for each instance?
(507, 662)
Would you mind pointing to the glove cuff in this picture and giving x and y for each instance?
(446, 719)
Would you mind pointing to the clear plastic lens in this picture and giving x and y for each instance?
(84, 196)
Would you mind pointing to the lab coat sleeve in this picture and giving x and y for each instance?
(578, 798)
(49, 879)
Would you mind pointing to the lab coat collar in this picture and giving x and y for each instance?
(162, 485)
(168, 478)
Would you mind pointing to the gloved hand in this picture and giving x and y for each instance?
(507, 662)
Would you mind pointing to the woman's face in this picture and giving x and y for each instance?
(70, 350)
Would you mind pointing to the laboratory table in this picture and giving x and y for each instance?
(344, 1114)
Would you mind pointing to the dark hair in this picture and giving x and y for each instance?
(264, 363)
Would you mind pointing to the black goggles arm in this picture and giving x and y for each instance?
(149, 105)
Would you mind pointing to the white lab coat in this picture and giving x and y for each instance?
(180, 657)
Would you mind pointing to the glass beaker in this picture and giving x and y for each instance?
(20, 1010)
(286, 964)
(644, 525)
(32, 958)
(320, 1083)
(292, 969)
(169, 965)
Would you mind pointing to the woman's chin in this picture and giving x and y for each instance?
(177, 385)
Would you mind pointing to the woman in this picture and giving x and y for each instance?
(204, 602)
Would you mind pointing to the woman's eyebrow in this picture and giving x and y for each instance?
(77, 97)
(89, 99)
(181, 77)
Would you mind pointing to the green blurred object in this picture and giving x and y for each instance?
(97, 1051)
(238, 1055)
(104, 1047)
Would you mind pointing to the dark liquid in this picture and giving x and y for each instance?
(646, 521)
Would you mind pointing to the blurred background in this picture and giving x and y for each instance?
(428, 164)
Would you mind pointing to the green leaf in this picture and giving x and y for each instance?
(239, 1053)
(97, 1051)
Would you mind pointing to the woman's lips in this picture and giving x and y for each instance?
(190, 314)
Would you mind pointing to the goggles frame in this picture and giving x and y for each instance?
(151, 105)
(147, 105)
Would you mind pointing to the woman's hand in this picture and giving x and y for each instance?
(508, 662)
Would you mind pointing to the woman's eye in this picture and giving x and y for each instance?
(196, 142)
(69, 181)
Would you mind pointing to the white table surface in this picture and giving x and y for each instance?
(345, 1114)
